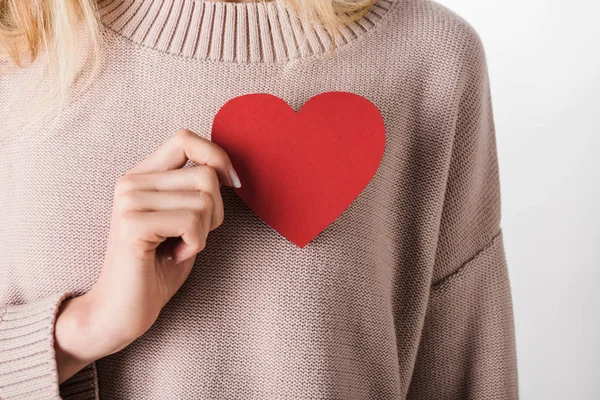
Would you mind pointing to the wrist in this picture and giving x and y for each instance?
(72, 346)
(80, 336)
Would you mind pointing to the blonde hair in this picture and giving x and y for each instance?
(56, 28)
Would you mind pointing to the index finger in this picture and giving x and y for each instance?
(186, 145)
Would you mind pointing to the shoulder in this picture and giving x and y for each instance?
(434, 17)
(428, 27)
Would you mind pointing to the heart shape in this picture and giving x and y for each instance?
(300, 171)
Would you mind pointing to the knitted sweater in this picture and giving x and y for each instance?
(404, 296)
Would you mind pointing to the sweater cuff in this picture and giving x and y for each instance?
(27, 354)
(81, 386)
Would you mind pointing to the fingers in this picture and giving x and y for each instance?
(148, 229)
(201, 177)
(158, 199)
(185, 145)
(169, 190)
(142, 200)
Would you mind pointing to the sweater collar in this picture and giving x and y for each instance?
(254, 32)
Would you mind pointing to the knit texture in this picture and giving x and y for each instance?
(404, 296)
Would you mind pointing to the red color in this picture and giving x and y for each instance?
(300, 171)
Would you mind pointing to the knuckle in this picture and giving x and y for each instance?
(124, 184)
(196, 230)
(198, 177)
(194, 220)
(207, 179)
(218, 215)
(127, 200)
(182, 135)
(202, 174)
(211, 174)
(205, 201)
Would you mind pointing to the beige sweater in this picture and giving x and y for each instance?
(404, 296)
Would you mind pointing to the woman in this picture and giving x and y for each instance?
(129, 266)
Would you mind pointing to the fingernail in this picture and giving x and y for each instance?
(234, 178)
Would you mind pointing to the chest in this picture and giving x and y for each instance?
(56, 205)
(57, 190)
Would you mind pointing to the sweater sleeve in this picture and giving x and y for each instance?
(27, 356)
(467, 347)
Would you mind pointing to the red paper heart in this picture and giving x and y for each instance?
(300, 171)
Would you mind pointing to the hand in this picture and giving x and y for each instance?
(161, 217)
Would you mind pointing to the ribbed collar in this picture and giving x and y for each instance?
(254, 32)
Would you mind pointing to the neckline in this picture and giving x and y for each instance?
(219, 31)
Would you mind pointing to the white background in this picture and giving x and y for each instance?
(544, 65)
